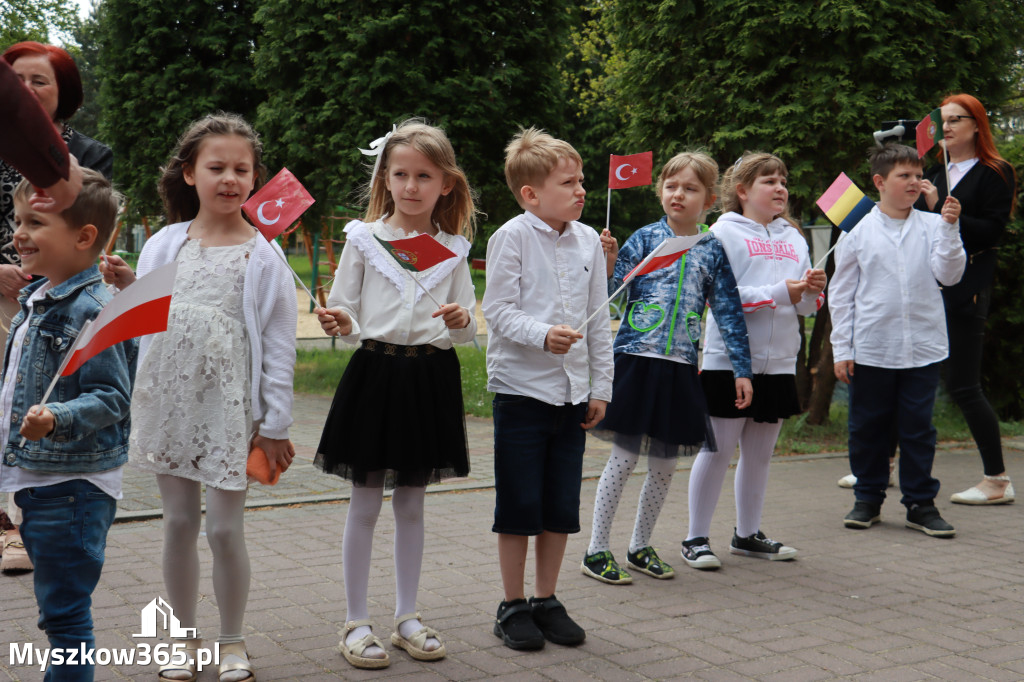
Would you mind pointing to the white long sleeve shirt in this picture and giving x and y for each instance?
(537, 278)
(383, 301)
(886, 305)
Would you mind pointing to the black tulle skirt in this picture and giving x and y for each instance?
(657, 408)
(775, 396)
(397, 418)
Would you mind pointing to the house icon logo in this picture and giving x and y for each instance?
(159, 611)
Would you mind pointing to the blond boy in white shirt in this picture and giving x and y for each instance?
(551, 379)
(889, 336)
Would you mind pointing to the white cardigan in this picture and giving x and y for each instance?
(271, 316)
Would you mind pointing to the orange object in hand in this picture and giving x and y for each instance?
(259, 467)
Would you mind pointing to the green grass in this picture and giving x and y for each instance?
(318, 372)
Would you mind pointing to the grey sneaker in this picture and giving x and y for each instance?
(761, 547)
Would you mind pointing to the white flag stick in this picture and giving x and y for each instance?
(316, 303)
(945, 165)
(626, 280)
(603, 305)
(825, 257)
(425, 290)
(63, 364)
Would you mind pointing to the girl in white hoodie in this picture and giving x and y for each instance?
(769, 258)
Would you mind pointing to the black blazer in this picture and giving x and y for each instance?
(985, 201)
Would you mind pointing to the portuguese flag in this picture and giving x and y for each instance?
(929, 132)
(417, 253)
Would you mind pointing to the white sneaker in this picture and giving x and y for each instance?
(848, 481)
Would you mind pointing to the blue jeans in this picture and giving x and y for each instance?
(538, 465)
(65, 532)
(881, 401)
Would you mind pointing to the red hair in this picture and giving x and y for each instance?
(984, 145)
(69, 81)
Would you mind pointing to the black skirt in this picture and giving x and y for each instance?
(397, 418)
(657, 408)
(775, 396)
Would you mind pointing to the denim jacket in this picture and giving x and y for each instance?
(91, 406)
(663, 308)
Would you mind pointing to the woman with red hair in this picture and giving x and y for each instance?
(50, 73)
(986, 186)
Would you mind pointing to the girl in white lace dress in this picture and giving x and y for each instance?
(219, 380)
(397, 419)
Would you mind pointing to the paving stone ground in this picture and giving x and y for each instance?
(881, 604)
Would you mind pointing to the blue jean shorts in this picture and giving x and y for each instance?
(538, 465)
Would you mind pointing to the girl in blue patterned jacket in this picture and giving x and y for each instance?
(657, 405)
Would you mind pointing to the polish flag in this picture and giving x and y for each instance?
(664, 255)
(633, 170)
(136, 311)
(278, 204)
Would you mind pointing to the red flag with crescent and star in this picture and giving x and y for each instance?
(633, 170)
(277, 204)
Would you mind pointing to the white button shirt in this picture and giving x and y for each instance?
(537, 278)
(885, 303)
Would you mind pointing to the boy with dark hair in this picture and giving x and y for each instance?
(889, 336)
(67, 475)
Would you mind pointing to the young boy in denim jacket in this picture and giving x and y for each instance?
(545, 275)
(67, 476)
(889, 336)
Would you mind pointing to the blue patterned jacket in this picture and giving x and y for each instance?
(663, 310)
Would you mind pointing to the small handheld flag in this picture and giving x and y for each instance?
(661, 256)
(633, 170)
(929, 132)
(138, 310)
(417, 254)
(844, 205)
(278, 204)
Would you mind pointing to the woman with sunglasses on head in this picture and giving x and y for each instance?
(986, 186)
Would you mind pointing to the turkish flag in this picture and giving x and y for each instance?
(633, 170)
(278, 204)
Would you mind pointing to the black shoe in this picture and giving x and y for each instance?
(550, 616)
(602, 566)
(761, 547)
(863, 515)
(697, 554)
(646, 560)
(515, 626)
(926, 518)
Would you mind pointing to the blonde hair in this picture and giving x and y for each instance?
(704, 167)
(97, 204)
(181, 201)
(455, 212)
(532, 155)
(747, 169)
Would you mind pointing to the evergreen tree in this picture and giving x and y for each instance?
(162, 65)
(40, 20)
(339, 73)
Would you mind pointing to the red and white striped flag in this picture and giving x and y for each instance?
(663, 255)
(138, 310)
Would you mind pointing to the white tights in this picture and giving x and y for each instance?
(225, 533)
(757, 443)
(609, 491)
(357, 545)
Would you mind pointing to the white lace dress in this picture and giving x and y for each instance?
(191, 413)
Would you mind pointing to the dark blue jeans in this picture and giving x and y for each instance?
(538, 465)
(881, 399)
(65, 532)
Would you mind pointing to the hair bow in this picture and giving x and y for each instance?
(377, 149)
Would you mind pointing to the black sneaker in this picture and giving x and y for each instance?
(646, 560)
(515, 626)
(863, 515)
(549, 615)
(926, 518)
(761, 547)
(602, 566)
(697, 553)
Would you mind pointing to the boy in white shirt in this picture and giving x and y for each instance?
(545, 276)
(889, 336)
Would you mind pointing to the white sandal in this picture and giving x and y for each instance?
(414, 644)
(189, 666)
(354, 653)
(236, 649)
(975, 496)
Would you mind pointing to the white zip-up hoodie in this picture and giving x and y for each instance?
(762, 259)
